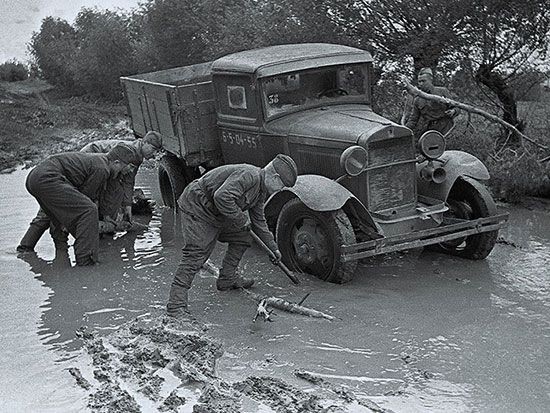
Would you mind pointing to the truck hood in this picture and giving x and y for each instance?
(345, 123)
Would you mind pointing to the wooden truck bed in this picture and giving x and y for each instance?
(179, 104)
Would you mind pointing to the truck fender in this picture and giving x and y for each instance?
(456, 164)
(320, 194)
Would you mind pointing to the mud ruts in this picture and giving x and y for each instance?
(130, 368)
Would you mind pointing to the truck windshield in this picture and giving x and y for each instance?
(317, 87)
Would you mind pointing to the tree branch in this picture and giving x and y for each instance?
(472, 109)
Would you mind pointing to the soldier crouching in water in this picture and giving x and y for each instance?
(214, 209)
(66, 186)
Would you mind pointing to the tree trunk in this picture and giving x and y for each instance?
(497, 84)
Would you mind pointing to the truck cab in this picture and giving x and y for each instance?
(365, 186)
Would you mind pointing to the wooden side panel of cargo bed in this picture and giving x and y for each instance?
(151, 107)
(198, 121)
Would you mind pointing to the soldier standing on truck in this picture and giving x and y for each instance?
(117, 194)
(66, 185)
(214, 209)
(426, 114)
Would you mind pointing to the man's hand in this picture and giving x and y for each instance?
(106, 227)
(276, 257)
(451, 113)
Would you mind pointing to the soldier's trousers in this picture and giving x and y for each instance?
(40, 224)
(67, 208)
(109, 205)
(201, 229)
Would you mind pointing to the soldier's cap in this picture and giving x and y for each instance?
(285, 166)
(426, 71)
(122, 153)
(153, 138)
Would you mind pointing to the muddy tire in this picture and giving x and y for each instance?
(311, 241)
(470, 200)
(173, 176)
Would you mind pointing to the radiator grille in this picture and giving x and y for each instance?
(383, 185)
(391, 186)
(322, 161)
(390, 151)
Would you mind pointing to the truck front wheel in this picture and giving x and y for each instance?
(470, 200)
(311, 241)
(174, 176)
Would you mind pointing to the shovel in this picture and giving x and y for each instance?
(282, 266)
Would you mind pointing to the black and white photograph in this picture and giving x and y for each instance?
(275, 206)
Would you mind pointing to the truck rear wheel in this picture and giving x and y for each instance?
(311, 241)
(470, 200)
(174, 176)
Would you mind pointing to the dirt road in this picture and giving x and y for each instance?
(415, 332)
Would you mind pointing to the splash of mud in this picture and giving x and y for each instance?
(165, 364)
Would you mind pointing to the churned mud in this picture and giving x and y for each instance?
(169, 365)
(38, 121)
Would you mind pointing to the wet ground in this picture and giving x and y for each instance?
(415, 332)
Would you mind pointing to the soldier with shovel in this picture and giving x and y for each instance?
(223, 205)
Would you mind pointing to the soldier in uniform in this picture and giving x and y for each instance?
(427, 114)
(66, 185)
(223, 205)
(117, 193)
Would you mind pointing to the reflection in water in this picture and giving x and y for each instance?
(102, 297)
(436, 332)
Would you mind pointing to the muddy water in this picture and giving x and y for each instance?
(415, 331)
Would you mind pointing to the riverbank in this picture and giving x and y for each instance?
(38, 121)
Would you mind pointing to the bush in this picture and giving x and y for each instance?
(104, 54)
(388, 97)
(53, 48)
(515, 171)
(13, 71)
(516, 174)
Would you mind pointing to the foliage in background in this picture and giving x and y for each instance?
(484, 51)
(53, 49)
(12, 71)
(503, 38)
(105, 52)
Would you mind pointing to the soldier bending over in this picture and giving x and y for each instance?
(117, 192)
(65, 186)
(214, 208)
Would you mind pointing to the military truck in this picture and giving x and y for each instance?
(365, 186)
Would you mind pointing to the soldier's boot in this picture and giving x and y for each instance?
(177, 302)
(60, 237)
(229, 279)
(32, 236)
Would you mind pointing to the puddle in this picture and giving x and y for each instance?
(415, 331)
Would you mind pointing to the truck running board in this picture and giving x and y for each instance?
(451, 229)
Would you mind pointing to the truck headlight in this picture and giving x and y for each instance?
(431, 144)
(354, 160)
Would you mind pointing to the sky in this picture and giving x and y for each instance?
(19, 18)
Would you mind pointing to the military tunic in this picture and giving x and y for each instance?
(217, 207)
(119, 192)
(430, 115)
(64, 186)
